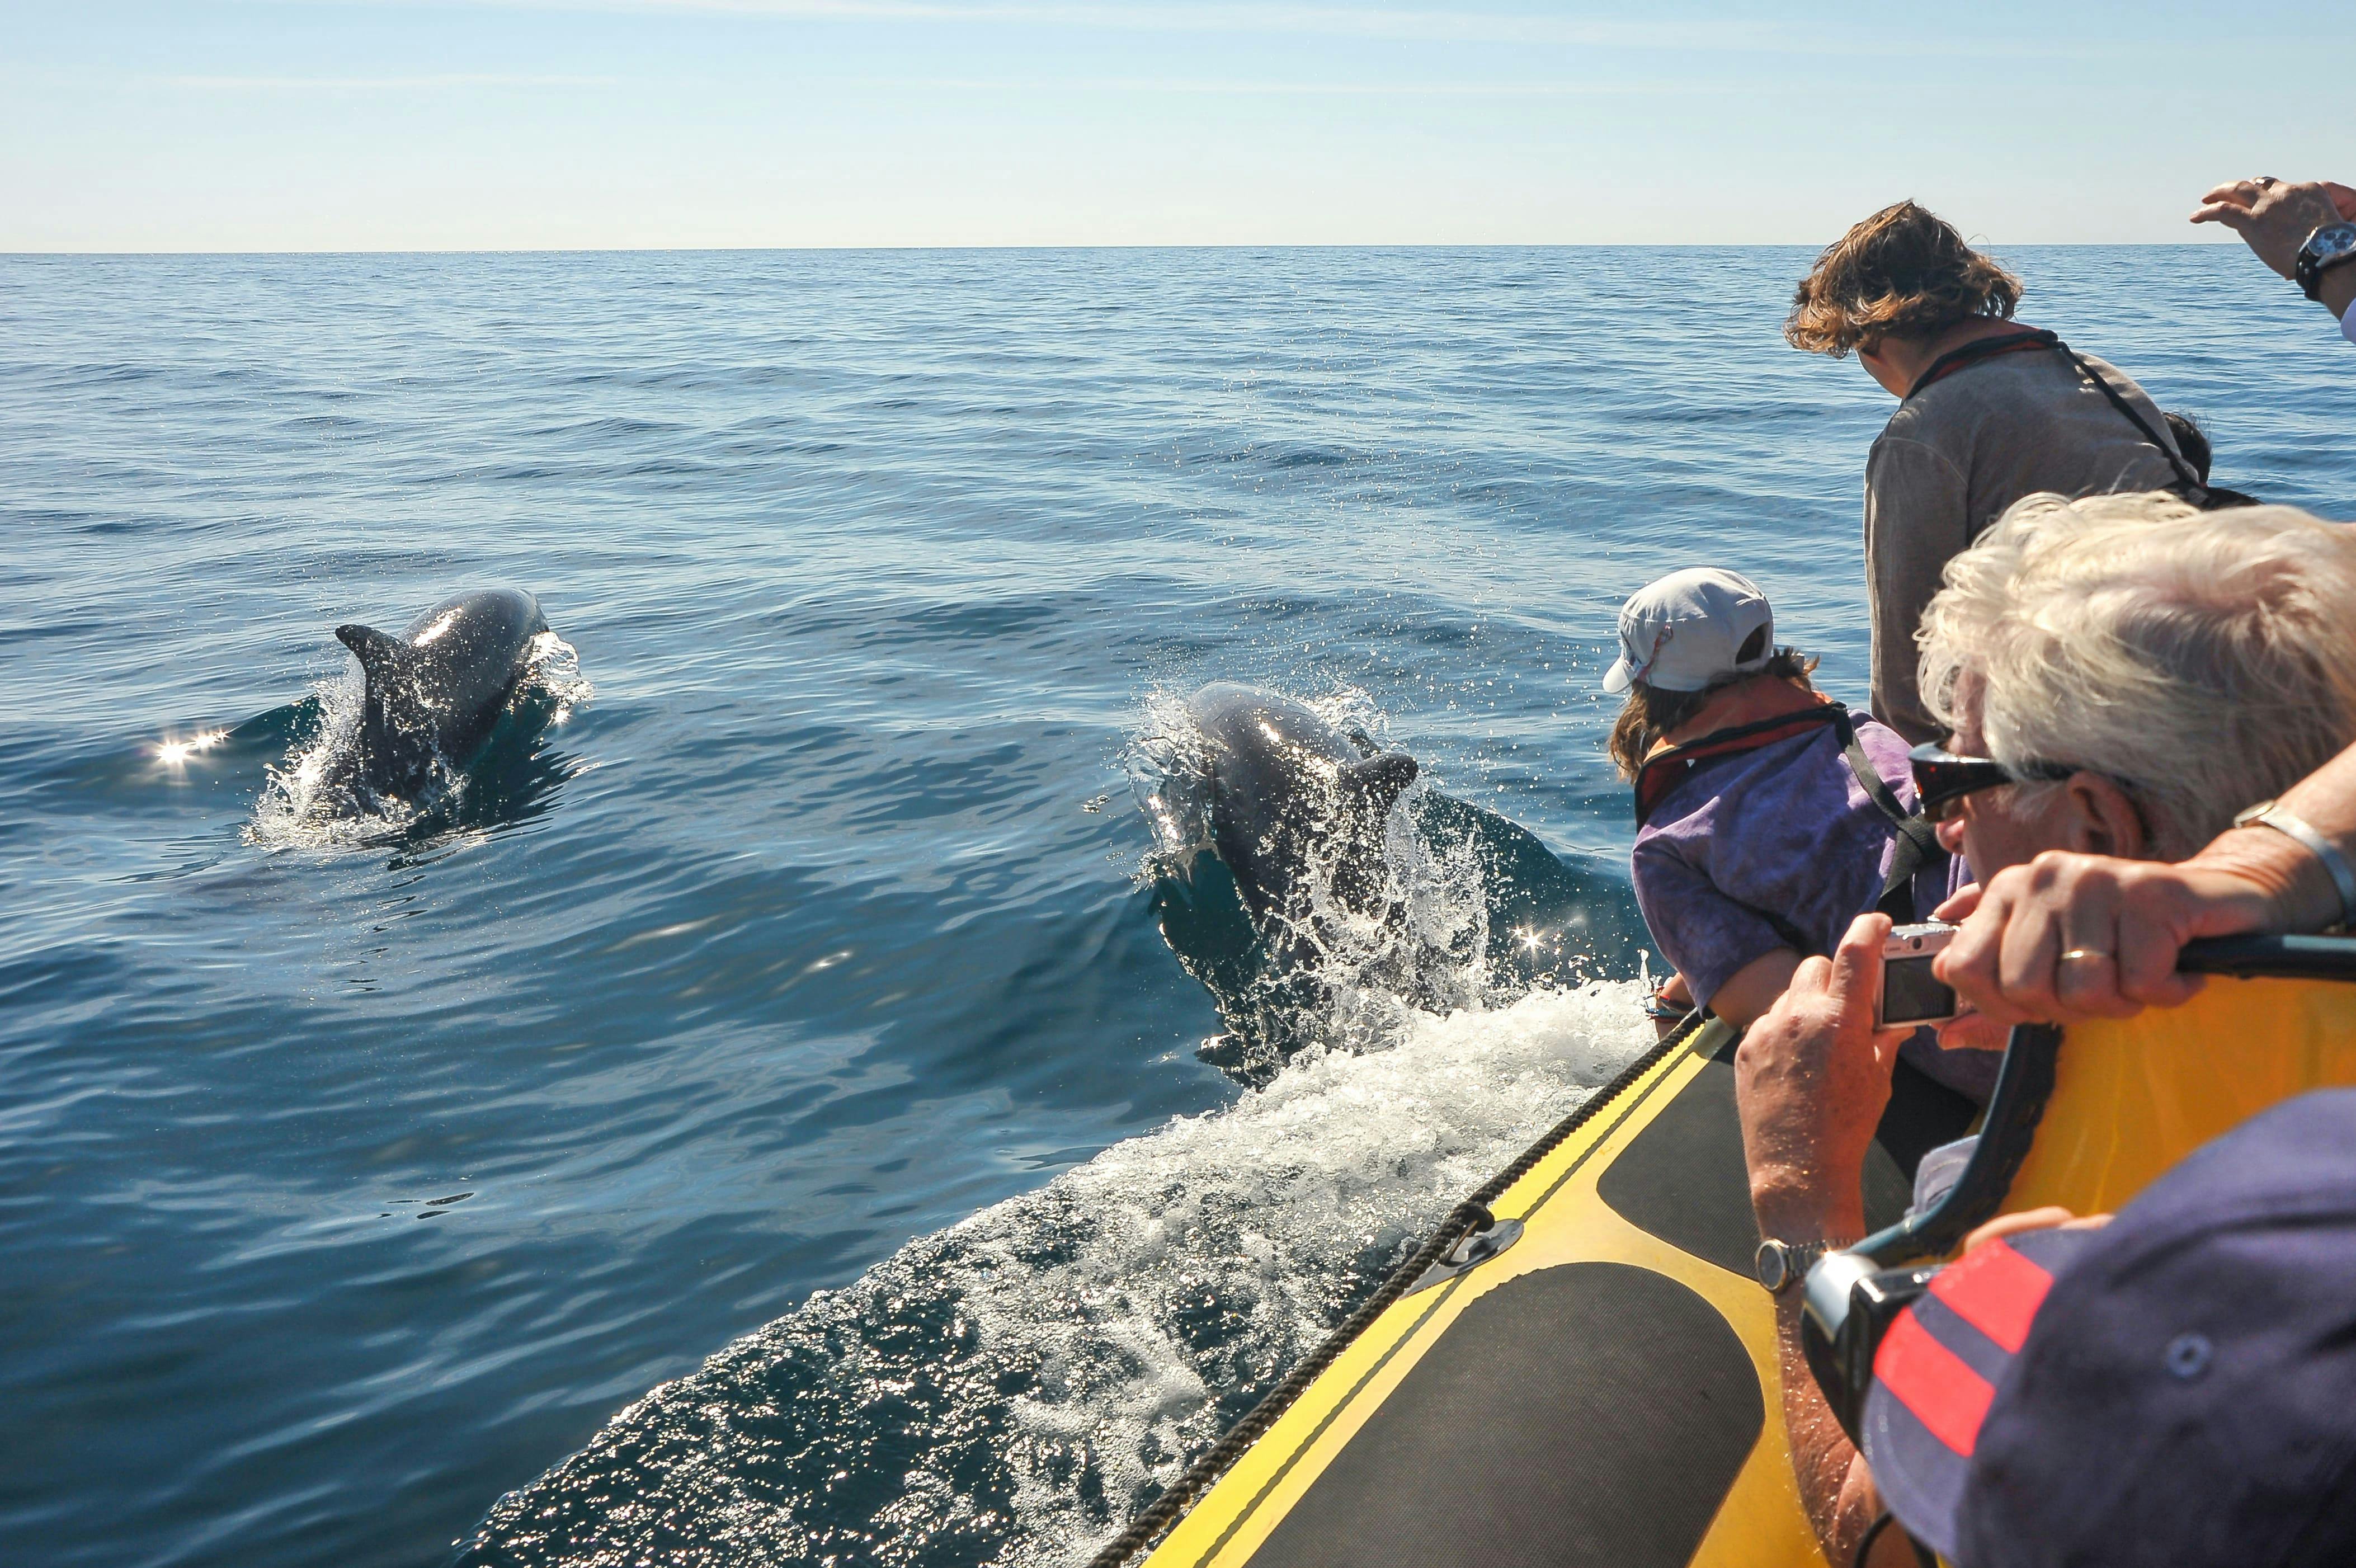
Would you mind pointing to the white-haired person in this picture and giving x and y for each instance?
(2121, 676)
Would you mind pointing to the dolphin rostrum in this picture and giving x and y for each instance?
(437, 690)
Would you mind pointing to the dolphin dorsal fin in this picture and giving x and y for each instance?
(388, 674)
(1380, 779)
(379, 654)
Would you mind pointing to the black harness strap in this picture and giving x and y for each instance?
(2188, 481)
(1979, 348)
(1918, 844)
(2195, 487)
(1661, 776)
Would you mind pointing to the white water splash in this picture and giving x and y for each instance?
(1012, 1389)
(300, 809)
(555, 667)
(1418, 946)
(1287, 1207)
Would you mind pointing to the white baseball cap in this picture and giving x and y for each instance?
(1681, 632)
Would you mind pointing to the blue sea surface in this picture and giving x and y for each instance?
(347, 1187)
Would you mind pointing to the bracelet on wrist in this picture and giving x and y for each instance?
(2270, 814)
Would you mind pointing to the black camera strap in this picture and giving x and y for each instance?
(2189, 482)
(1918, 844)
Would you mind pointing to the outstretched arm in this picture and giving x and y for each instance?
(2274, 218)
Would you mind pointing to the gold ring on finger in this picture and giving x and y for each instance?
(2076, 954)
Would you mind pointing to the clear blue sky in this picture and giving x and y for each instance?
(375, 125)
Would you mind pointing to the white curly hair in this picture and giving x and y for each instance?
(2203, 660)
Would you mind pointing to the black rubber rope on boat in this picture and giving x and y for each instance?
(1467, 1217)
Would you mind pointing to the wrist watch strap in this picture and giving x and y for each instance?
(2268, 814)
(2309, 267)
(1782, 1265)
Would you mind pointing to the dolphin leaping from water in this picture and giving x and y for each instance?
(437, 691)
(1300, 816)
(1290, 796)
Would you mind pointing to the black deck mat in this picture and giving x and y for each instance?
(1591, 1413)
(1683, 1178)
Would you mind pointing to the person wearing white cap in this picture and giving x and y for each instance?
(1768, 816)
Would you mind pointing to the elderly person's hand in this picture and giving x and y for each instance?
(1811, 1080)
(2274, 217)
(2071, 937)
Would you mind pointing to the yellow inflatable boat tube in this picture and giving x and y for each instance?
(1593, 1377)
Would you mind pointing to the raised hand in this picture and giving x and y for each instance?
(2274, 217)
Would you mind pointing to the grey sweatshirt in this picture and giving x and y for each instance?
(1959, 452)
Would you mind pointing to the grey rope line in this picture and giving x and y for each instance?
(1467, 1217)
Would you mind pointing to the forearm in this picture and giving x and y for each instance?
(1811, 1081)
(1835, 1488)
(1750, 990)
(2338, 288)
(2326, 798)
(2299, 890)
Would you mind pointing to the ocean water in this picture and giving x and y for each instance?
(763, 1122)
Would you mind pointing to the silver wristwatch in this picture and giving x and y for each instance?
(1780, 1265)
(2267, 814)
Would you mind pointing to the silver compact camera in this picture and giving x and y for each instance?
(1910, 994)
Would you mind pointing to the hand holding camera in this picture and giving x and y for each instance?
(1811, 1078)
(1910, 993)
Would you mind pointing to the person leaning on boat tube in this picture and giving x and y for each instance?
(2121, 676)
(1767, 814)
(1990, 409)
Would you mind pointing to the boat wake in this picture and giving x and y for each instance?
(1013, 1388)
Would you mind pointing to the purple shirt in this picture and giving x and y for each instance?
(1785, 830)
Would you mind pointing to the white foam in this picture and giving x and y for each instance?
(1013, 1388)
(1288, 1204)
(1066, 1351)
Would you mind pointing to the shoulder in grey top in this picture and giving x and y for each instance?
(1954, 455)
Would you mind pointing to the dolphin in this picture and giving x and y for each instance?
(437, 691)
(1285, 802)
(1289, 796)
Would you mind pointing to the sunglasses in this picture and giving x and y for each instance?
(1942, 779)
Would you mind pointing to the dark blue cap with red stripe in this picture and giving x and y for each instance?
(2179, 1386)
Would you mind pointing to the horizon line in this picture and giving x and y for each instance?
(2204, 242)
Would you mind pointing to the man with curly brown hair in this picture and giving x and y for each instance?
(1991, 409)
